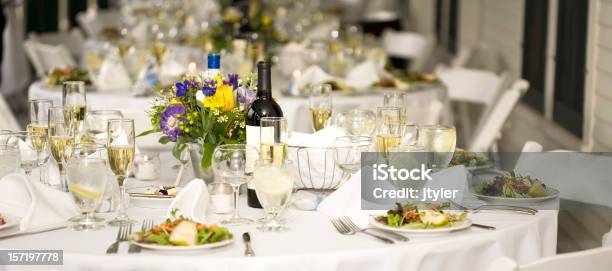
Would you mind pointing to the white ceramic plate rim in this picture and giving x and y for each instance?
(552, 193)
(152, 197)
(10, 220)
(183, 248)
(466, 223)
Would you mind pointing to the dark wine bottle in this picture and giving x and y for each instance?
(263, 106)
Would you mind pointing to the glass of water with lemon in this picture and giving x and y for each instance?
(86, 172)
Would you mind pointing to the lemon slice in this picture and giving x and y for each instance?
(83, 192)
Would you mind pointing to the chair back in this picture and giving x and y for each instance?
(45, 57)
(8, 120)
(597, 259)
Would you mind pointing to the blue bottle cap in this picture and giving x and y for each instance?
(214, 61)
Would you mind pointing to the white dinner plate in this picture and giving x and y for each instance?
(457, 226)
(481, 167)
(10, 220)
(183, 248)
(150, 201)
(552, 194)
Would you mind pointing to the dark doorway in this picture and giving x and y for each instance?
(570, 66)
(535, 32)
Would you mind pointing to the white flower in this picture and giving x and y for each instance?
(200, 96)
(215, 112)
(222, 119)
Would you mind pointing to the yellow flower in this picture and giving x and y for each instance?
(223, 99)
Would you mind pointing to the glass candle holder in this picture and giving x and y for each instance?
(221, 197)
(146, 166)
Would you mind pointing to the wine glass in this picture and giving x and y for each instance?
(320, 105)
(356, 122)
(395, 98)
(39, 120)
(95, 125)
(347, 153)
(27, 149)
(9, 158)
(61, 139)
(273, 185)
(121, 149)
(273, 136)
(408, 157)
(86, 170)
(440, 141)
(410, 134)
(75, 100)
(230, 164)
(388, 128)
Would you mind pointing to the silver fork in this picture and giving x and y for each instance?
(517, 209)
(348, 222)
(344, 229)
(122, 236)
(147, 224)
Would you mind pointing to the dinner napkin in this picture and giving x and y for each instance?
(314, 163)
(113, 75)
(311, 76)
(41, 207)
(192, 201)
(362, 76)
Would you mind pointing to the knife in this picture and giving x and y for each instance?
(486, 227)
(248, 252)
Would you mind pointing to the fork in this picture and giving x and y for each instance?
(343, 229)
(348, 222)
(147, 224)
(122, 236)
(517, 209)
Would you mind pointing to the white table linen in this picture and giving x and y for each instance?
(311, 244)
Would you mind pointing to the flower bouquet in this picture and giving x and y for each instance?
(205, 111)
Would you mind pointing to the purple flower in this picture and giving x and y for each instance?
(170, 119)
(232, 80)
(181, 88)
(246, 96)
(209, 88)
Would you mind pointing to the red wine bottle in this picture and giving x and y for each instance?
(263, 106)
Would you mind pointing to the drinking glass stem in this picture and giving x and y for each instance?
(63, 180)
(236, 195)
(41, 178)
(123, 200)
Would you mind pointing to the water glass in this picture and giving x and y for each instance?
(95, 125)
(356, 122)
(9, 158)
(439, 141)
(27, 147)
(274, 186)
(347, 152)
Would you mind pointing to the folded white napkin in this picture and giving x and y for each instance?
(113, 75)
(192, 201)
(346, 200)
(321, 171)
(140, 32)
(171, 68)
(311, 76)
(41, 207)
(147, 78)
(363, 75)
(292, 57)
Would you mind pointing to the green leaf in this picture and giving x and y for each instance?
(164, 140)
(147, 132)
(209, 148)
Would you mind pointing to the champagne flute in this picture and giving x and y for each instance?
(95, 125)
(61, 139)
(395, 98)
(347, 153)
(230, 164)
(87, 179)
(39, 118)
(388, 128)
(121, 149)
(356, 122)
(273, 137)
(74, 99)
(273, 185)
(440, 141)
(320, 105)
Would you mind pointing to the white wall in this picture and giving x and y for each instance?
(422, 17)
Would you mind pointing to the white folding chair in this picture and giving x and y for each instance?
(597, 259)
(73, 40)
(532, 146)
(489, 129)
(409, 45)
(93, 23)
(8, 120)
(44, 57)
(607, 239)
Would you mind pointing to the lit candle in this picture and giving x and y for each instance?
(221, 197)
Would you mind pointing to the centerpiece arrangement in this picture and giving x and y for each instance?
(202, 112)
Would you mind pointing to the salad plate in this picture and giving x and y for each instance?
(510, 188)
(551, 194)
(182, 234)
(418, 218)
(9, 221)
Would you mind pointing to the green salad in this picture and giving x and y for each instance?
(426, 216)
(510, 185)
(183, 232)
(468, 159)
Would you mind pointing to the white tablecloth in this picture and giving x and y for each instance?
(295, 109)
(311, 244)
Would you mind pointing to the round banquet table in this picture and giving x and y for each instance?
(311, 243)
(295, 109)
